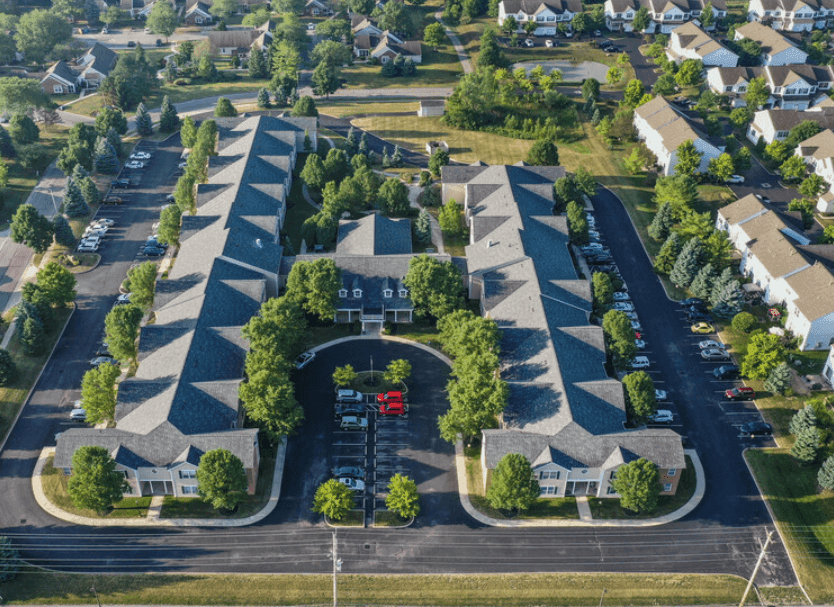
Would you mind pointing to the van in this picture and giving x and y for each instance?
(352, 422)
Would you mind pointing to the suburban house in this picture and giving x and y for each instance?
(665, 15)
(792, 15)
(792, 87)
(691, 42)
(369, 41)
(183, 400)
(547, 14)
(361, 25)
(776, 48)
(197, 13)
(373, 254)
(317, 7)
(664, 130)
(818, 154)
(565, 415)
(85, 72)
(243, 6)
(772, 125)
(240, 42)
(780, 260)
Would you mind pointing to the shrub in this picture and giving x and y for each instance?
(743, 322)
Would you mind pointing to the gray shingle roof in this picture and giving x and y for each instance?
(374, 235)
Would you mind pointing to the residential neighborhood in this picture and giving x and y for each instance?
(385, 302)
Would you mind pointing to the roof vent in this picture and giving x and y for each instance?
(258, 243)
(488, 244)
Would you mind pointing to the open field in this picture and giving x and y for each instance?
(38, 587)
(341, 110)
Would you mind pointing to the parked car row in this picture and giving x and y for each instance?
(93, 235)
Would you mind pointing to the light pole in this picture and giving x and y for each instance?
(93, 589)
(52, 194)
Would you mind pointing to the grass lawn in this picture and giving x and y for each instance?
(542, 508)
(423, 332)
(386, 518)
(322, 335)
(610, 508)
(805, 517)
(440, 67)
(341, 110)
(354, 518)
(55, 488)
(28, 369)
(454, 244)
(412, 133)
(562, 589)
(176, 507)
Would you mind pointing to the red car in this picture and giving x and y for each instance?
(743, 393)
(390, 397)
(392, 408)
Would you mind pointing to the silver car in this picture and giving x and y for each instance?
(714, 354)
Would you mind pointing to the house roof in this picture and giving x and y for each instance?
(784, 75)
(772, 41)
(785, 120)
(534, 7)
(184, 395)
(820, 146)
(814, 288)
(742, 209)
(693, 38)
(61, 69)
(233, 38)
(99, 58)
(773, 241)
(391, 45)
(374, 235)
(673, 128)
(199, 6)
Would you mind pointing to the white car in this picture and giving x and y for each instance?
(548, 43)
(592, 248)
(710, 343)
(660, 394)
(640, 362)
(353, 483)
(304, 359)
(123, 299)
(635, 324)
(620, 296)
(78, 415)
(103, 223)
(735, 179)
(88, 247)
(593, 234)
(624, 306)
(135, 164)
(311, 26)
(568, 34)
(349, 396)
(79, 404)
(529, 43)
(632, 316)
(663, 416)
(140, 156)
(641, 345)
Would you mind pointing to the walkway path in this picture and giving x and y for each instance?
(584, 508)
(465, 62)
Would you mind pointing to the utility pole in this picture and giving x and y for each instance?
(602, 596)
(755, 569)
(96, 593)
(337, 566)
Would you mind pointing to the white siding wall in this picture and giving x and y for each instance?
(790, 56)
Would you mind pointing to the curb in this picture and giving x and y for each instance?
(37, 379)
(52, 509)
(775, 524)
(416, 344)
(332, 526)
(408, 524)
(681, 512)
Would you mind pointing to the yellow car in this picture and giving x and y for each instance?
(702, 327)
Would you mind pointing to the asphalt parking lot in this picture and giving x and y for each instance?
(408, 444)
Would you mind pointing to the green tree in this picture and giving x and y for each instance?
(89, 191)
(638, 484)
(258, 67)
(758, 92)
(687, 264)
(434, 35)
(31, 334)
(344, 376)
(806, 447)
(106, 160)
(397, 371)
(9, 560)
(305, 106)
(395, 18)
(23, 129)
(668, 254)
(224, 108)
(114, 140)
(434, 287)
(221, 479)
(269, 400)
(802, 131)
(689, 72)
(392, 197)
(577, 224)
(793, 169)
(336, 165)
(110, 118)
(740, 117)
(641, 20)
(743, 322)
(803, 419)
(8, 372)
(439, 159)
(490, 53)
(223, 9)
(402, 497)
(74, 203)
(162, 20)
(812, 186)
(634, 92)
(603, 292)
(513, 487)
(333, 500)
(465, 334)
(39, 32)
(661, 224)
(449, 218)
(188, 132)
(689, 159)
(20, 95)
(543, 153)
(614, 75)
(325, 79)
(7, 147)
(722, 168)
(590, 89)
(184, 193)
(764, 353)
(617, 328)
(114, 14)
(665, 85)
(95, 483)
(169, 120)
(98, 392)
(206, 69)
(702, 283)
(121, 328)
(169, 225)
(315, 285)
(57, 284)
(779, 379)
(142, 283)
(31, 228)
(313, 173)
(422, 227)
(640, 396)
(68, 9)
(144, 125)
(680, 191)
(63, 231)
(825, 477)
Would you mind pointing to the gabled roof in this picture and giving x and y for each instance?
(673, 128)
(814, 288)
(374, 235)
(534, 7)
(819, 147)
(692, 37)
(61, 70)
(389, 43)
(772, 41)
(743, 208)
(233, 38)
(785, 120)
(103, 60)
(198, 6)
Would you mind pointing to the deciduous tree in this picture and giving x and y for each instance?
(543, 153)
(402, 497)
(397, 371)
(95, 483)
(764, 353)
(638, 484)
(435, 287)
(57, 284)
(333, 500)
(315, 286)
(121, 328)
(640, 395)
(449, 218)
(513, 487)
(98, 392)
(39, 32)
(344, 376)
(221, 479)
(31, 228)
(162, 20)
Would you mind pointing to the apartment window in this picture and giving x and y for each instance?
(776, 13)
(550, 475)
(387, 293)
(610, 490)
(658, 16)
(126, 473)
(551, 18)
(667, 487)
(198, 19)
(342, 292)
(188, 474)
(767, 13)
(189, 490)
(403, 293)
(357, 293)
(728, 89)
(548, 490)
(672, 472)
(781, 134)
(742, 89)
(777, 89)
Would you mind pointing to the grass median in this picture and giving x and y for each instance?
(565, 589)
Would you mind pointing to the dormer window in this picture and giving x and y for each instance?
(357, 293)
(403, 293)
(342, 293)
(388, 293)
